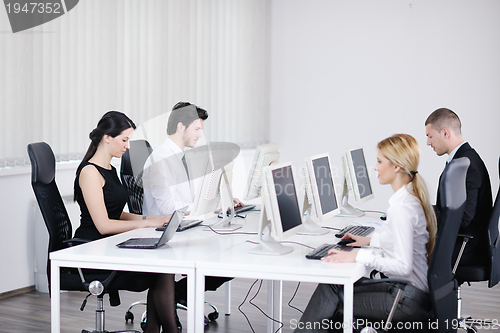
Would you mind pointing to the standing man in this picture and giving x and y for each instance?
(444, 135)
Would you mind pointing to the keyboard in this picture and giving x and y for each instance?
(239, 209)
(244, 208)
(184, 225)
(359, 230)
(322, 250)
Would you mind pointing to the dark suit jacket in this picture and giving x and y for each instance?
(477, 212)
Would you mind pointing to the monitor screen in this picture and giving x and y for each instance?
(361, 173)
(324, 182)
(286, 195)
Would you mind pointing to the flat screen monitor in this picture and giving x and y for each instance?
(320, 200)
(281, 216)
(356, 180)
(264, 156)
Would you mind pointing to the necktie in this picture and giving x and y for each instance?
(185, 166)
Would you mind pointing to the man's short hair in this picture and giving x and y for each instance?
(185, 113)
(442, 118)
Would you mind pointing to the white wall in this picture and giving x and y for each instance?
(17, 236)
(347, 73)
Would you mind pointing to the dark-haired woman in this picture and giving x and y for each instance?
(102, 197)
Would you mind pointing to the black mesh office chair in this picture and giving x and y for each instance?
(131, 173)
(489, 272)
(60, 231)
(442, 285)
(131, 169)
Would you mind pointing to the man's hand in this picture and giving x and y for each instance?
(237, 202)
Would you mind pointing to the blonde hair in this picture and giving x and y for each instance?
(404, 151)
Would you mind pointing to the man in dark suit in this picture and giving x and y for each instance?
(444, 135)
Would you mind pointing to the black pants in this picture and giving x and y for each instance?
(371, 302)
(211, 283)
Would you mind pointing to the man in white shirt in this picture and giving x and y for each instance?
(167, 186)
(166, 175)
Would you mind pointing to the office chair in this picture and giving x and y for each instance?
(131, 173)
(58, 224)
(489, 272)
(131, 170)
(442, 285)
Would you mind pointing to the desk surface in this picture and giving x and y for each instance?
(207, 253)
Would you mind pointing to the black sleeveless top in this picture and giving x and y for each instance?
(115, 198)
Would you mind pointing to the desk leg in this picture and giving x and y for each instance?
(274, 305)
(348, 307)
(55, 297)
(228, 298)
(199, 301)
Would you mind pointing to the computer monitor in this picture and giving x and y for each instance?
(264, 156)
(213, 192)
(320, 200)
(280, 215)
(356, 180)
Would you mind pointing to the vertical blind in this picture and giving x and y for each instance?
(138, 57)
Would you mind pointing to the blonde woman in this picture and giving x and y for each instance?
(401, 250)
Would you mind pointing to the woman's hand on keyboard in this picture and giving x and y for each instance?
(358, 240)
(339, 256)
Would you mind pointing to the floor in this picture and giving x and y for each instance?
(30, 312)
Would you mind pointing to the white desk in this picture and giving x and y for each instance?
(178, 256)
(238, 262)
(199, 253)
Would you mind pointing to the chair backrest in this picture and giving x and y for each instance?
(131, 173)
(494, 240)
(43, 169)
(442, 285)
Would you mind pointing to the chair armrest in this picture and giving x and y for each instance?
(75, 241)
(402, 283)
(466, 237)
(464, 243)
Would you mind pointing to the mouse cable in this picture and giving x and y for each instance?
(290, 242)
(332, 228)
(261, 311)
(373, 211)
(293, 296)
(228, 233)
(243, 302)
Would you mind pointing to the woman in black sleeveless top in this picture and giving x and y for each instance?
(102, 197)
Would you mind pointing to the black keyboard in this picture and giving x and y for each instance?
(243, 208)
(359, 230)
(184, 225)
(322, 250)
(239, 209)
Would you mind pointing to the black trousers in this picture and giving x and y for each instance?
(211, 283)
(372, 303)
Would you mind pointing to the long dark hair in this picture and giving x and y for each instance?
(112, 123)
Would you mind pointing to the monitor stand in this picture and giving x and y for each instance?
(225, 224)
(268, 245)
(346, 210)
(309, 226)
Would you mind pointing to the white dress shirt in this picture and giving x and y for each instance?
(399, 250)
(166, 183)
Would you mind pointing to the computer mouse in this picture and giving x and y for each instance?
(346, 241)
